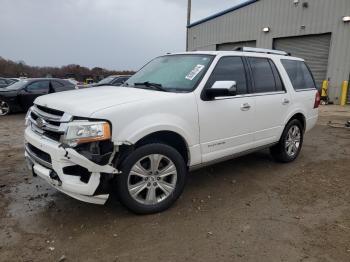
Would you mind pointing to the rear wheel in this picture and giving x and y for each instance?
(290, 144)
(152, 178)
(4, 108)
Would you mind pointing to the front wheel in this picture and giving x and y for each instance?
(289, 146)
(152, 178)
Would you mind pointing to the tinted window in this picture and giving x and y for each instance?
(278, 80)
(3, 82)
(299, 74)
(230, 69)
(56, 84)
(263, 78)
(40, 85)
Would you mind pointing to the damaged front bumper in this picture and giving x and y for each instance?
(67, 170)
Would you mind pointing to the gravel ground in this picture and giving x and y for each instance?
(247, 209)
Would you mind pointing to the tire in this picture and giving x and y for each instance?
(144, 188)
(4, 108)
(290, 144)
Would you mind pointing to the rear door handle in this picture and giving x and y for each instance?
(285, 101)
(245, 107)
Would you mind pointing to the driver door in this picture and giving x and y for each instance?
(226, 123)
(32, 91)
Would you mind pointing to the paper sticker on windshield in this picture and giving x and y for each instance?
(195, 71)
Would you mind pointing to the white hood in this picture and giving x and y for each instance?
(85, 102)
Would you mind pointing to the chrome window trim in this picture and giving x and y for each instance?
(251, 95)
(305, 89)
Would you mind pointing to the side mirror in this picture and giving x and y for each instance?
(221, 89)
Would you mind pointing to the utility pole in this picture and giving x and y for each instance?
(189, 7)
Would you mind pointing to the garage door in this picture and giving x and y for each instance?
(313, 48)
(233, 46)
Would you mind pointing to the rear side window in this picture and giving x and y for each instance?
(263, 76)
(299, 74)
(39, 85)
(56, 84)
(230, 68)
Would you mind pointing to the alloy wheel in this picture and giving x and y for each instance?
(152, 179)
(4, 108)
(293, 140)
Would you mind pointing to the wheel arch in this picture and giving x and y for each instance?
(299, 116)
(170, 138)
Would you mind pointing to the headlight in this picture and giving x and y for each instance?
(26, 123)
(85, 132)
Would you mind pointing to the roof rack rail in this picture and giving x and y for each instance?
(261, 50)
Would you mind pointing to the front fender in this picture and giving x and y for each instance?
(146, 125)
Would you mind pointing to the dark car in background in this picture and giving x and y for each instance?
(20, 95)
(4, 82)
(114, 80)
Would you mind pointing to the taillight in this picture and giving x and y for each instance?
(317, 100)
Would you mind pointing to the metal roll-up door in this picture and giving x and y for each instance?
(233, 46)
(313, 48)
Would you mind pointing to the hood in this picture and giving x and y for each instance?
(85, 102)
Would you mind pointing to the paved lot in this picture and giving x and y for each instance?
(247, 209)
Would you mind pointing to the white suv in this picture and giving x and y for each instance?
(178, 113)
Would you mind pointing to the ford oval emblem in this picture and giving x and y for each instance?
(40, 122)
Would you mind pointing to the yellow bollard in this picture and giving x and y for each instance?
(324, 88)
(344, 93)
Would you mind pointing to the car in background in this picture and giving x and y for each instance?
(114, 80)
(73, 81)
(20, 96)
(14, 79)
(4, 82)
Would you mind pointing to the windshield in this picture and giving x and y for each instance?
(172, 73)
(106, 80)
(18, 85)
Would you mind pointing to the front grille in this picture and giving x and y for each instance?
(50, 111)
(48, 122)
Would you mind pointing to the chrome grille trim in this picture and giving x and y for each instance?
(46, 116)
(44, 125)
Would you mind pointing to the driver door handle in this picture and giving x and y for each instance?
(245, 107)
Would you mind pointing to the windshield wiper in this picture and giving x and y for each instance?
(153, 85)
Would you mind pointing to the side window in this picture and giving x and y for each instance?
(3, 82)
(276, 74)
(263, 77)
(230, 68)
(299, 74)
(39, 85)
(56, 84)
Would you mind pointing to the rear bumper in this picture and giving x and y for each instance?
(50, 164)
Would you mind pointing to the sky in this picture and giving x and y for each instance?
(113, 34)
